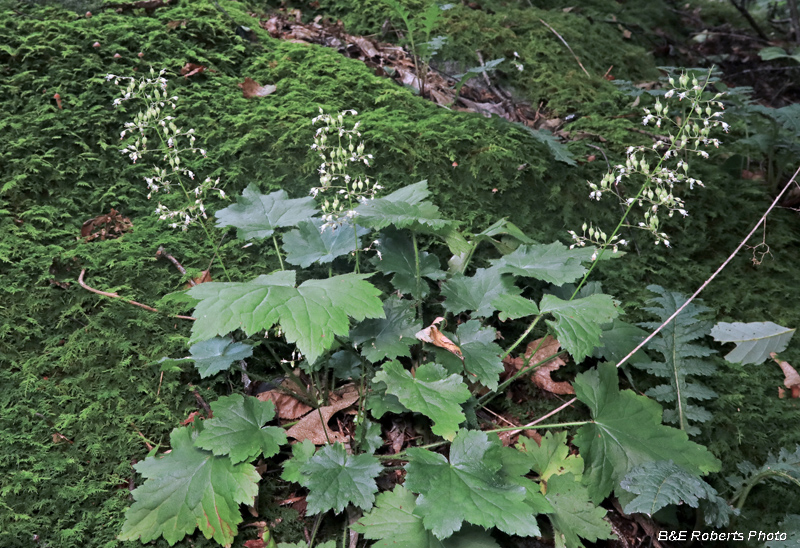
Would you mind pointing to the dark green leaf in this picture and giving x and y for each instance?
(397, 257)
(619, 338)
(335, 479)
(578, 322)
(217, 354)
(481, 354)
(661, 483)
(301, 454)
(236, 429)
(626, 431)
(514, 307)
(478, 292)
(257, 215)
(391, 336)
(432, 392)
(554, 263)
(573, 513)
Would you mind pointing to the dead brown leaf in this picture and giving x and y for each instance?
(792, 380)
(541, 376)
(172, 25)
(104, 227)
(205, 276)
(313, 427)
(190, 69)
(433, 336)
(288, 407)
(251, 88)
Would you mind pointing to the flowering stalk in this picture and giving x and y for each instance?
(174, 142)
(660, 180)
(335, 172)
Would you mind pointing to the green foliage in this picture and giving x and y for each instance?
(257, 215)
(431, 392)
(478, 292)
(783, 468)
(187, 489)
(683, 358)
(481, 355)
(308, 244)
(471, 487)
(577, 322)
(573, 514)
(553, 263)
(237, 429)
(310, 314)
(626, 432)
(335, 479)
(217, 354)
(754, 341)
(661, 483)
(388, 337)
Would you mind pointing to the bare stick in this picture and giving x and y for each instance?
(116, 296)
(162, 253)
(696, 293)
(569, 48)
(746, 15)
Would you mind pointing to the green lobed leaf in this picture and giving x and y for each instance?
(389, 337)
(379, 402)
(471, 487)
(558, 149)
(307, 244)
(661, 483)
(335, 479)
(481, 354)
(310, 315)
(578, 322)
(394, 524)
(403, 209)
(626, 431)
(552, 456)
(618, 339)
(478, 292)
(573, 514)
(397, 257)
(432, 392)
(514, 307)
(791, 527)
(257, 215)
(301, 454)
(186, 489)
(237, 429)
(217, 354)
(754, 341)
(554, 263)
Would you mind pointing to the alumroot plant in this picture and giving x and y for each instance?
(173, 142)
(663, 167)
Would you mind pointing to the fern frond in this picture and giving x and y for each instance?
(683, 358)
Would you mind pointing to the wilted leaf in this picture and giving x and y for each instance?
(792, 380)
(190, 69)
(313, 427)
(251, 88)
(288, 407)
(432, 335)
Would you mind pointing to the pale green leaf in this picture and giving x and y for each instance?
(394, 525)
(217, 354)
(237, 429)
(391, 336)
(661, 483)
(335, 479)
(471, 487)
(514, 307)
(773, 52)
(481, 354)
(310, 315)
(186, 489)
(554, 263)
(307, 244)
(577, 325)
(257, 215)
(552, 456)
(397, 257)
(403, 209)
(432, 392)
(754, 341)
(626, 431)
(302, 452)
(477, 292)
(573, 513)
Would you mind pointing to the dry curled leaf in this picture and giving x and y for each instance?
(313, 427)
(104, 227)
(190, 69)
(251, 88)
(432, 335)
(792, 380)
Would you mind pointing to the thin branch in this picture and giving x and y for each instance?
(162, 253)
(746, 15)
(116, 296)
(569, 48)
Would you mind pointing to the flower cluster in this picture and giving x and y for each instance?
(336, 173)
(173, 140)
(662, 167)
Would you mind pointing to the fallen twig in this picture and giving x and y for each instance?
(116, 296)
(569, 48)
(162, 253)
